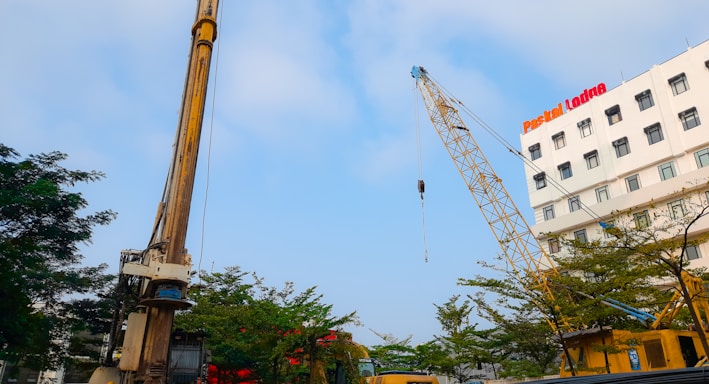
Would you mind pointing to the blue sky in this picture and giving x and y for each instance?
(309, 147)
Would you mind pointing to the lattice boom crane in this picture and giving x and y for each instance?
(529, 261)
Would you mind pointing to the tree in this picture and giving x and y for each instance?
(662, 237)
(460, 341)
(223, 310)
(431, 357)
(394, 357)
(316, 335)
(277, 335)
(394, 354)
(597, 271)
(522, 343)
(40, 261)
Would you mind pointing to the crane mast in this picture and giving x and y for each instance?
(164, 267)
(529, 262)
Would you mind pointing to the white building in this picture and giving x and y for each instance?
(616, 149)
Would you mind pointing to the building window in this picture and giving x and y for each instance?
(676, 208)
(585, 128)
(565, 170)
(574, 203)
(554, 246)
(602, 194)
(621, 146)
(689, 118)
(679, 84)
(632, 182)
(535, 151)
(702, 157)
(548, 212)
(540, 180)
(644, 100)
(667, 170)
(591, 159)
(559, 140)
(614, 115)
(580, 236)
(642, 219)
(692, 252)
(654, 134)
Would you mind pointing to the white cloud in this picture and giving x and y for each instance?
(281, 81)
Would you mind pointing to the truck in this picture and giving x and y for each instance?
(402, 377)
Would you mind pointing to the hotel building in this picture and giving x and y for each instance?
(621, 148)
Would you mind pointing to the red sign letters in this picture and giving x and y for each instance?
(557, 111)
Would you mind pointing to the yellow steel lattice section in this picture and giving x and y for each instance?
(529, 261)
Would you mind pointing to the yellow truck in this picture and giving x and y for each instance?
(402, 377)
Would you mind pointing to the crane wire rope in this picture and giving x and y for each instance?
(209, 147)
(421, 185)
(515, 151)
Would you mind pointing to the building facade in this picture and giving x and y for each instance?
(631, 147)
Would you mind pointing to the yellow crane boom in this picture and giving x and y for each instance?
(529, 261)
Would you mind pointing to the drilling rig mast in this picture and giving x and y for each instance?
(163, 269)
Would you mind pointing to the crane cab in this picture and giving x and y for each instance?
(605, 350)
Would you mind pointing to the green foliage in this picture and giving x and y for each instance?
(431, 357)
(661, 239)
(460, 349)
(395, 357)
(453, 318)
(603, 269)
(263, 329)
(522, 343)
(40, 261)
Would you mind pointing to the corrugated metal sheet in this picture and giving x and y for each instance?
(186, 357)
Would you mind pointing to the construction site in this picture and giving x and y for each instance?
(601, 168)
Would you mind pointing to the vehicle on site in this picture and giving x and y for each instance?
(402, 377)
(656, 349)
